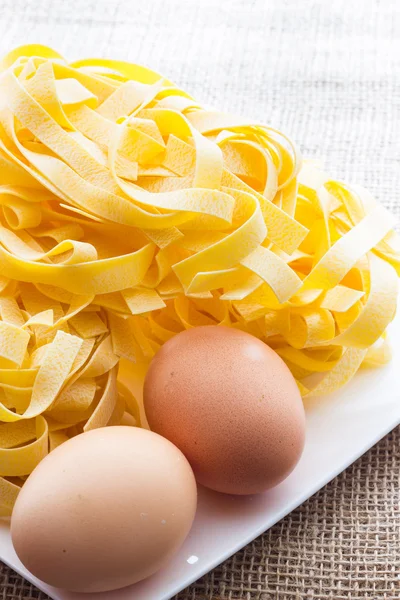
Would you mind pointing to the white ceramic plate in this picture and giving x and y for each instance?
(340, 428)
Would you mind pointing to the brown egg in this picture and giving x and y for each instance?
(104, 510)
(230, 404)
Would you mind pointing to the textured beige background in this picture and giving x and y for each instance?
(328, 73)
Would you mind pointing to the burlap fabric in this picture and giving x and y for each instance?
(328, 73)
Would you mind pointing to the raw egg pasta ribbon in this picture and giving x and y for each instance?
(128, 213)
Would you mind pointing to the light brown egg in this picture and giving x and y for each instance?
(230, 404)
(104, 510)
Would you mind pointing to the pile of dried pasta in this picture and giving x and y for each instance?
(128, 213)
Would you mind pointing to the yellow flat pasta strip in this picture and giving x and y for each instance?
(101, 276)
(378, 354)
(102, 360)
(341, 373)
(142, 300)
(22, 460)
(13, 343)
(211, 280)
(337, 262)
(273, 270)
(56, 438)
(341, 298)
(8, 496)
(379, 309)
(284, 231)
(53, 372)
(43, 318)
(118, 413)
(73, 403)
(88, 325)
(10, 312)
(20, 377)
(128, 97)
(297, 357)
(105, 408)
(15, 434)
(123, 340)
(231, 249)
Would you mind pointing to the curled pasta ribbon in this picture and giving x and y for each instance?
(129, 213)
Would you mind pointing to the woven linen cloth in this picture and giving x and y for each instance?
(327, 72)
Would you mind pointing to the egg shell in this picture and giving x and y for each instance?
(230, 404)
(104, 510)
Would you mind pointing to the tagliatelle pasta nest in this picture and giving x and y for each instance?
(129, 213)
